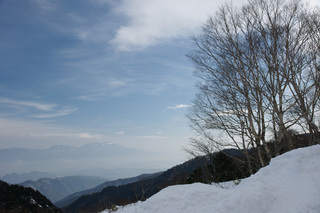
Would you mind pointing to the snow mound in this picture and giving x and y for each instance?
(290, 184)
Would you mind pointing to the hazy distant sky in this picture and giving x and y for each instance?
(79, 71)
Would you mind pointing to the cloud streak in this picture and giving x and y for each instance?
(40, 134)
(58, 113)
(179, 106)
(83, 135)
(46, 5)
(119, 133)
(36, 105)
(50, 108)
(153, 137)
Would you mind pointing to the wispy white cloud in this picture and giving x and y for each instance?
(90, 97)
(53, 110)
(102, 87)
(153, 137)
(179, 106)
(116, 83)
(152, 21)
(119, 133)
(36, 105)
(102, 2)
(58, 113)
(82, 135)
(46, 5)
(41, 134)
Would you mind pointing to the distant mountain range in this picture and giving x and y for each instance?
(63, 160)
(15, 178)
(73, 197)
(71, 187)
(58, 188)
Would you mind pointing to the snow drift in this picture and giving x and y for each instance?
(291, 183)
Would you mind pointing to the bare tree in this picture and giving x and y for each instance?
(305, 74)
(259, 75)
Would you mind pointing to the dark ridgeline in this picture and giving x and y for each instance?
(15, 198)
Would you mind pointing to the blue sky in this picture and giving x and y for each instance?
(82, 71)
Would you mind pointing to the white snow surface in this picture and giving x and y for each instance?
(290, 184)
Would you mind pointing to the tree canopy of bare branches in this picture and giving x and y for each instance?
(259, 76)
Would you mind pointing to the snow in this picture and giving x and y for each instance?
(32, 201)
(290, 184)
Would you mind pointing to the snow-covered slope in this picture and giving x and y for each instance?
(290, 184)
